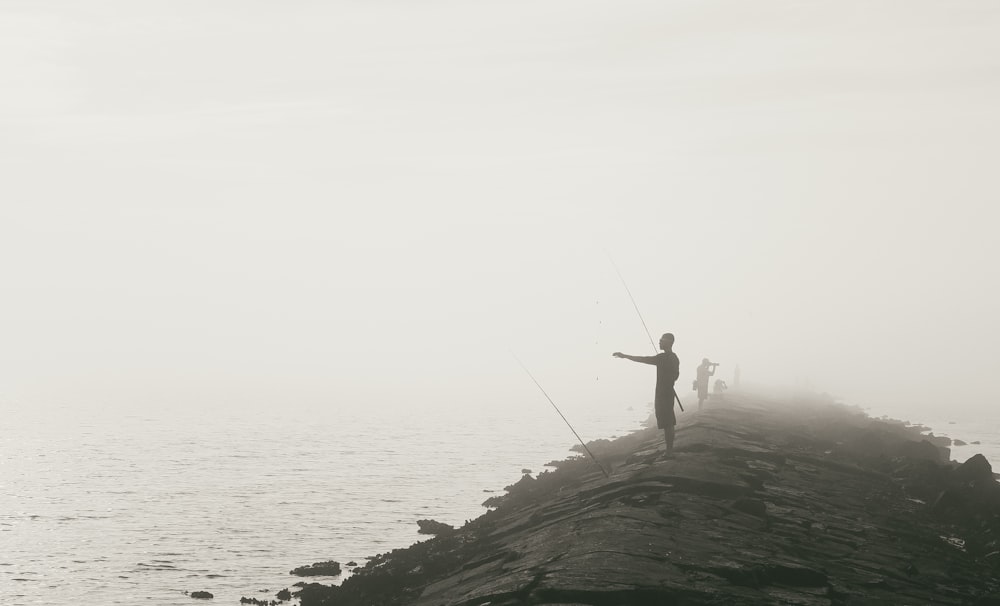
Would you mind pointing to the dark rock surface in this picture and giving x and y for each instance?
(201, 595)
(434, 527)
(330, 568)
(797, 501)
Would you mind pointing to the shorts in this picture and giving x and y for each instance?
(665, 416)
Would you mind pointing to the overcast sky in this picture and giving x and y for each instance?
(374, 203)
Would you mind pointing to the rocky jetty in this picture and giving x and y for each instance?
(766, 501)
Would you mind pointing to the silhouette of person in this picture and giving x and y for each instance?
(705, 370)
(736, 377)
(719, 387)
(667, 371)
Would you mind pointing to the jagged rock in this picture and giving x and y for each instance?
(938, 440)
(331, 568)
(351, 564)
(957, 442)
(975, 469)
(284, 595)
(201, 595)
(434, 527)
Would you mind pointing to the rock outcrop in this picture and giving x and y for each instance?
(434, 527)
(318, 569)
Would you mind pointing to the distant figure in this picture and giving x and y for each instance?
(718, 387)
(667, 371)
(736, 377)
(705, 370)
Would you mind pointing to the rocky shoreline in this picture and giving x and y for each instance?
(767, 501)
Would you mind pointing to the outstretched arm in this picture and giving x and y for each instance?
(642, 359)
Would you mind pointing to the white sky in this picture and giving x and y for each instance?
(372, 203)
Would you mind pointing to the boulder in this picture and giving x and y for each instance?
(201, 595)
(434, 527)
(975, 470)
(330, 568)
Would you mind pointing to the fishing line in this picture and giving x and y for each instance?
(561, 415)
(655, 351)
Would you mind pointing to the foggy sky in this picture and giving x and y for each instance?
(373, 204)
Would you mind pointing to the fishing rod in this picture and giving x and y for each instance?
(655, 351)
(561, 415)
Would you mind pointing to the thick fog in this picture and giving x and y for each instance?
(374, 204)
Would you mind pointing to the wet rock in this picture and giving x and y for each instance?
(921, 450)
(976, 469)
(201, 595)
(753, 507)
(959, 443)
(330, 568)
(284, 595)
(434, 527)
(938, 440)
(795, 575)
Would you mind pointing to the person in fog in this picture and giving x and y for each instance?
(719, 387)
(667, 371)
(705, 370)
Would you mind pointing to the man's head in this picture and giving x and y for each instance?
(666, 341)
(705, 362)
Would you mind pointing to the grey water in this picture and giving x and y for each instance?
(127, 507)
(117, 507)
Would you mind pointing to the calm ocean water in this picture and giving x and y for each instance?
(112, 508)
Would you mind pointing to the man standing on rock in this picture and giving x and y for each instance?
(667, 371)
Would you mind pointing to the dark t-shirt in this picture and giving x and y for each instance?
(667, 371)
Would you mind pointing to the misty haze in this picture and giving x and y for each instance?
(272, 273)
